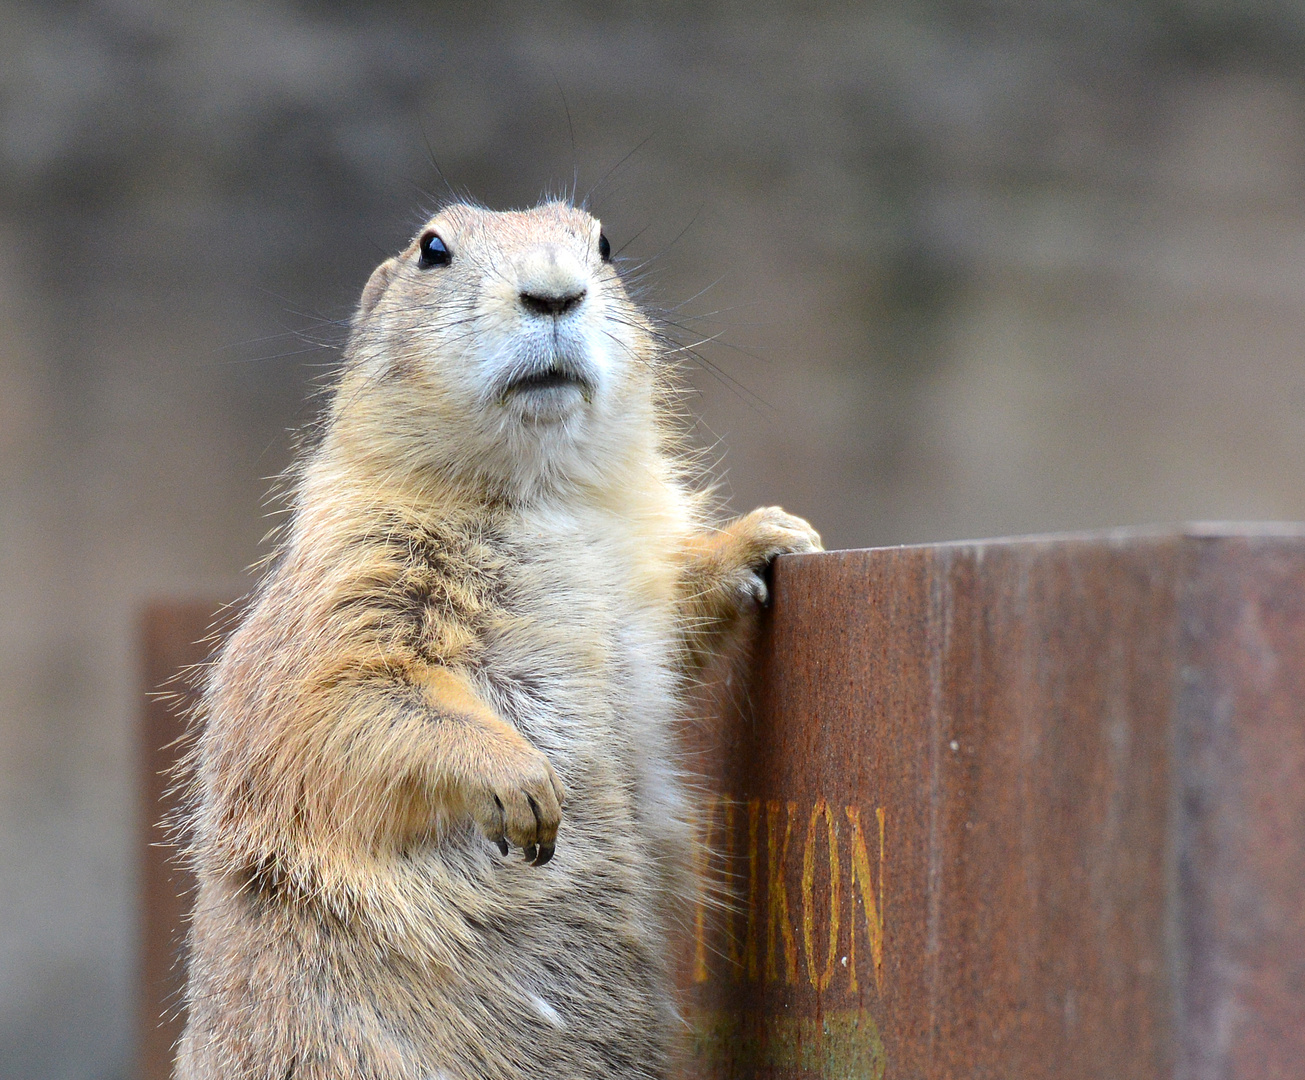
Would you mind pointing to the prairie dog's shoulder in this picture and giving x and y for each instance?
(357, 576)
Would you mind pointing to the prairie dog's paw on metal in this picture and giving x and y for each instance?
(771, 531)
(517, 799)
(766, 532)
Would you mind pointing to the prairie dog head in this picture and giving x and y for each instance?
(501, 348)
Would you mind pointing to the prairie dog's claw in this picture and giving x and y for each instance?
(763, 534)
(520, 801)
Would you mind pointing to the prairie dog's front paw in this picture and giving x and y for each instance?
(515, 797)
(763, 534)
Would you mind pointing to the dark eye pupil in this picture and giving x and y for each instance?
(433, 252)
(604, 248)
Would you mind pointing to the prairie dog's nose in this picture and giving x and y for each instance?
(550, 280)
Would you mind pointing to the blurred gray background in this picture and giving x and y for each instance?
(975, 269)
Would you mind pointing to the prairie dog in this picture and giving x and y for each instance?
(438, 824)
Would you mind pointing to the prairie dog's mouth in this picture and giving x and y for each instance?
(546, 379)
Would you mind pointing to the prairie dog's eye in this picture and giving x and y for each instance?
(604, 248)
(433, 252)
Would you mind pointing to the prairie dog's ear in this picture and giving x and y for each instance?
(375, 287)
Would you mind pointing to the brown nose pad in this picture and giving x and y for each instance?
(541, 304)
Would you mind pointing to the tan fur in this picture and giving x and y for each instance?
(488, 605)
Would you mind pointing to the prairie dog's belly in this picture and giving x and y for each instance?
(582, 663)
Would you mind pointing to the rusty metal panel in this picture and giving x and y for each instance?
(1016, 809)
(1240, 954)
(1029, 808)
(171, 636)
(955, 767)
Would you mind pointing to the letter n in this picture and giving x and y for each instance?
(862, 881)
